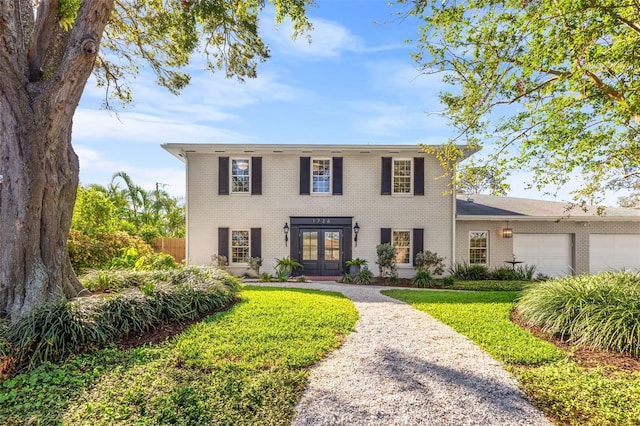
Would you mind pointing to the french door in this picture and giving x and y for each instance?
(321, 251)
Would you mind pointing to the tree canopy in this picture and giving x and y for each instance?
(554, 85)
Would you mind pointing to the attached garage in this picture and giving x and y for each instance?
(613, 252)
(551, 253)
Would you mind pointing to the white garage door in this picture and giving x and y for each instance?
(613, 252)
(551, 253)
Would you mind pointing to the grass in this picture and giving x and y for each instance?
(568, 393)
(492, 285)
(244, 366)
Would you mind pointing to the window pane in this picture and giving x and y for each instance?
(321, 176)
(309, 246)
(239, 246)
(402, 176)
(478, 247)
(402, 244)
(240, 176)
(332, 245)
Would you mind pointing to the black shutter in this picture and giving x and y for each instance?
(256, 175)
(223, 242)
(385, 186)
(256, 242)
(385, 235)
(418, 242)
(223, 175)
(337, 176)
(418, 176)
(305, 175)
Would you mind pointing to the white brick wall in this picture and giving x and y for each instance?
(280, 199)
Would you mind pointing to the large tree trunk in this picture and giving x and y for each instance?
(38, 165)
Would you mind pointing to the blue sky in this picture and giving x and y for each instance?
(356, 83)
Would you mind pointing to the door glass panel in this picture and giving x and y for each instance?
(331, 245)
(309, 246)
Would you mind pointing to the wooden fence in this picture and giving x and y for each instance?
(176, 247)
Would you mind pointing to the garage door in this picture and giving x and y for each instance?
(613, 252)
(551, 253)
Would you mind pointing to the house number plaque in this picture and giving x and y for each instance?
(320, 221)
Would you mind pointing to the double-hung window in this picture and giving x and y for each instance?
(401, 241)
(240, 176)
(478, 247)
(240, 246)
(321, 176)
(402, 176)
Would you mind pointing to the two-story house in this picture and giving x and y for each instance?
(319, 204)
(325, 204)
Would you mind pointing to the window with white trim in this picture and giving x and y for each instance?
(402, 176)
(240, 246)
(401, 241)
(478, 247)
(321, 176)
(240, 176)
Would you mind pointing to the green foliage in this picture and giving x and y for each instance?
(448, 282)
(422, 279)
(386, 260)
(465, 271)
(284, 267)
(599, 311)
(579, 396)
(490, 285)
(553, 83)
(265, 277)
(97, 252)
(244, 367)
(364, 277)
(94, 213)
(427, 261)
(346, 278)
(356, 262)
(55, 331)
(219, 261)
(301, 279)
(474, 178)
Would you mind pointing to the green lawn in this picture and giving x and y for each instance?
(566, 392)
(245, 366)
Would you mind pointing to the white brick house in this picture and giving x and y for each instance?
(241, 198)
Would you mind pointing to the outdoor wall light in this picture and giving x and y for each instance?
(356, 229)
(507, 233)
(285, 228)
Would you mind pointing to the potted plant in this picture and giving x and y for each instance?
(355, 265)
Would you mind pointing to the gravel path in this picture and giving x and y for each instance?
(402, 367)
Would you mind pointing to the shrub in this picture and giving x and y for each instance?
(265, 277)
(301, 279)
(504, 273)
(599, 311)
(386, 259)
(97, 252)
(219, 261)
(364, 276)
(422, 279)
(255, 263)
(284, 267)
(430, 262)
(346, 279)
(56, 330)
(448, 282)
(465, 271)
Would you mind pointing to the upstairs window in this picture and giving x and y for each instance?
(402, 243)
(321, 176)
(240, 176)
(478, 247)
(240, 246)
(402, 176)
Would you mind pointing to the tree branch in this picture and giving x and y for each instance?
(41, 37)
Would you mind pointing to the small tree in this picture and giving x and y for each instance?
(430, 262)
(386, 260)
(255, 263)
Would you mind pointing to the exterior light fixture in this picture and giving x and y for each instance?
(356, 229)
(285, 228)
(507, 233)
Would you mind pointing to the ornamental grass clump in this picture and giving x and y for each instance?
(57, 330)
(598, 311)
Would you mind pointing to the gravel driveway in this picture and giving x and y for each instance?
(402, 367)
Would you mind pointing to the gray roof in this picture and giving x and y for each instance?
(481, 205)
